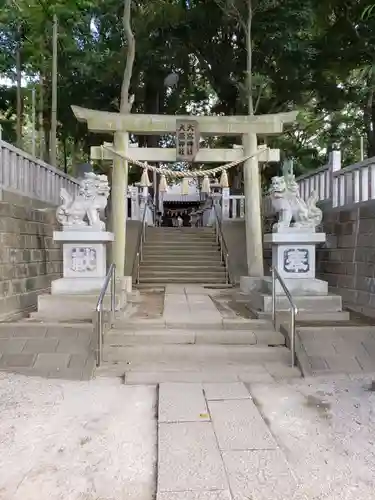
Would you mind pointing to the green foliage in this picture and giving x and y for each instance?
(313, 55)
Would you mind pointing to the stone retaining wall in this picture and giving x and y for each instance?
(29, 259)
(347, 260)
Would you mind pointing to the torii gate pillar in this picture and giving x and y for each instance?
(253, 220)
(119, 201)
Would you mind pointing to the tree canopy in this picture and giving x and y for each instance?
(311, 55)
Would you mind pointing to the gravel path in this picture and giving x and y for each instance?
(326, 430)
(76, 440)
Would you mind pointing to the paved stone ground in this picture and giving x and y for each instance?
(76, 440)
(148, 305)
(311, 440)
(215, 445)
(189, 302)
(336, 350)
(49, 350)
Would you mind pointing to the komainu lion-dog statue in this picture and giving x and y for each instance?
(287, 202)
(85, 208)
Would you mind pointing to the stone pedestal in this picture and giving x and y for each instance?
(75, 295)
(293, 255)
(84, 261)
(293, 241)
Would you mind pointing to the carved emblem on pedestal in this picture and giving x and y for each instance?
(83, 259)
(296, 260)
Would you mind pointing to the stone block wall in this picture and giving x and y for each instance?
(347, 260)
(29, 259)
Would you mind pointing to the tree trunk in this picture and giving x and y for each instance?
(369, 119)
(19, 93)
(47, 116)
(42, 143)
(249, 58)
(153, 104)
(53, 144)
(119, 207)
(65, 150)
(33, 120)
(75, 155)
(125, 103)
(47, 135)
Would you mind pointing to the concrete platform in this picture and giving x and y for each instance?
(68, 307)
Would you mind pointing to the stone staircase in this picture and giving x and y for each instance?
(181, 255)
(150, 353)
(191, 341)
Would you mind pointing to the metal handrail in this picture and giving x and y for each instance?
(110, 278)
(224, 252)
(139, 247)
(293, 309)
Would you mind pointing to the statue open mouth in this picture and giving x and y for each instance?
(85, 208)
(287, 202)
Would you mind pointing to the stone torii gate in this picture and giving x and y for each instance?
(248, 127)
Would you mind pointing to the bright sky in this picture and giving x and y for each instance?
(8, 82)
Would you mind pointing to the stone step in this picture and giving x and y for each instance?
(195, 353)
(182, 271)
(184, 236)
(118, 338)
(188, 245)
(209, 238)
(69, 308)
(181, 230)
(180, 254)
(321, 330)
(161, 286)
(182, 248)
(178, 244)
(321, 303)
(179, 267)
(128, 324)
(178, 247)
(207, 263)
(341, 316)
(181, 277)
(186, 280)
(181, 237)
(156, 373)
(189, 259)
